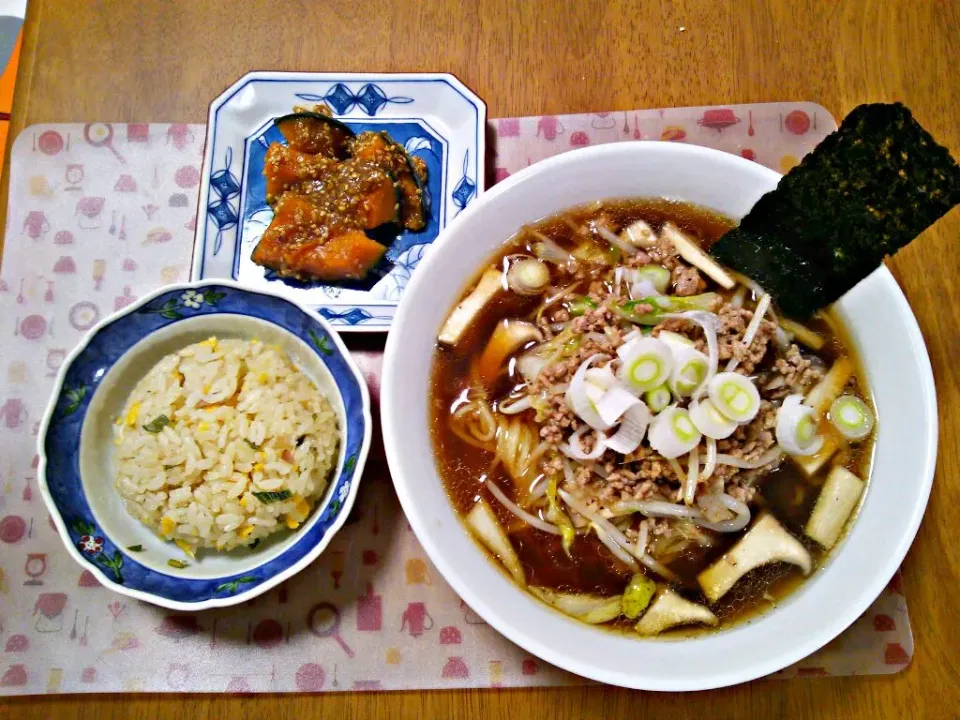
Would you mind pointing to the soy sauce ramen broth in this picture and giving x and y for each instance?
(591, 567)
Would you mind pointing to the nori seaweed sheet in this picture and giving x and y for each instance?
(865, 192)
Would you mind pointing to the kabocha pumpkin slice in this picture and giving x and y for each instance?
(286, 168)
(380, 149)
(349, 256)
(293, 219)
(315, 133)
(379, 201)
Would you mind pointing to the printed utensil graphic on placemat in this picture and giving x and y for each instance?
(178, 626)
(13, 414)
(55, 358)
(12, 529)
(36, 224)
(336, 567)
(323, 620)
(49, 607)
(369, 611)
(66, 265)
(74, 176)
(101, 135)
(268, 634)
(89, 210)
(35, 567)
(415, 619)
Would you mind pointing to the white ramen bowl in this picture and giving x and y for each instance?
(882, 329)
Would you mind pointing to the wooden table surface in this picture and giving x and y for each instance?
(164, 60)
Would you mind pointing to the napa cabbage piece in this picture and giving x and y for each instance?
(592, 609)
(487, 528)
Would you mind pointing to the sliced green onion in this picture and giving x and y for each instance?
(851, 416)
(646, 366)
(710, 421)
(579, 305)
(637, 595)
(672, 433)
(579, 400)
(676, 340)
(797, 427)
(658, 398)
(573, 448)
(614, 402)
(656, 275)
(528, 276)
(735, 396)
(664, 304)
(549, 251)
(633, 425)
(690, 369)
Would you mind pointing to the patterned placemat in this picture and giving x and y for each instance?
(99, 214)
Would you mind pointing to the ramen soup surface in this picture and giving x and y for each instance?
(627, 427)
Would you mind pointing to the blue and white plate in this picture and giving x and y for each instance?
(433, 115)
(76, 474)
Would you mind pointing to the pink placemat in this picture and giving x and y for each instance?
(100, 214)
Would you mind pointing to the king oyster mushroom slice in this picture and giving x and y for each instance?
(766, 542)
(670, 610)
(837, 500)
(491, 282)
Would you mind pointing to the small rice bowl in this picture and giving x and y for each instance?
(224, 443)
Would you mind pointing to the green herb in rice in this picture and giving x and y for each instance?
(157, 424)
(272, 497)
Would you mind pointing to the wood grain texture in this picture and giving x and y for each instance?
(164, 60)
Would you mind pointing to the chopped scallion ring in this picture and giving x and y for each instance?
(672, 433)
(658, 398)
(797, 427)
(690, 368)
(578, 395)
(630, 433)
(710, 421)
(735, 396)
(851, 416)
(646, 366)
(675, 340)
